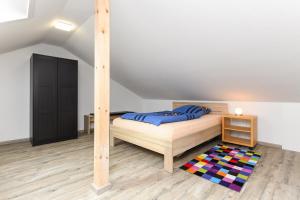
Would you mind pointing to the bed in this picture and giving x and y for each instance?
(171, 139)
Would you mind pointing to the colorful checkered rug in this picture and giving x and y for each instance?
(227, 166)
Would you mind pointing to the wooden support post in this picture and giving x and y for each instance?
(102, 96)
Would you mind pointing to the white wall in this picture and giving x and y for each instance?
(15, 90)
(122, 99)
(277, 122)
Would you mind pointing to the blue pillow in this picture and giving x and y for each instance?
(192, 109)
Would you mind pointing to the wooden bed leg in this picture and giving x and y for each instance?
(112, 141)
(168, 161)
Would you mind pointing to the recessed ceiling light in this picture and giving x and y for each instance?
(11, 10)
(64, 25)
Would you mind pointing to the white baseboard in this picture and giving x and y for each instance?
(14, 141)
(267, 144)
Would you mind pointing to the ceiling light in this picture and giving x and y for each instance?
(63, 25)
(11, 10)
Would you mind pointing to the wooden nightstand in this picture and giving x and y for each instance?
(241, 130)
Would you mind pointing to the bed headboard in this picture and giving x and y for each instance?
(216, 108)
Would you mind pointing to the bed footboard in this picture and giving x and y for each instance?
(166, 148)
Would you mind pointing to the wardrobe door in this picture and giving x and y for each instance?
(44, 99)
(67, 98)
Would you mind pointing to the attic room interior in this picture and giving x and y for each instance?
(128, 99)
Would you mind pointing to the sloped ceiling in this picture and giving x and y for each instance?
(81, 43)
(39, 26)
(194, 49)
(208, 50)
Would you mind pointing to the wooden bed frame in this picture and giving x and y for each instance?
(178, 146)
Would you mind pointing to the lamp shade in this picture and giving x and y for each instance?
(238, 111)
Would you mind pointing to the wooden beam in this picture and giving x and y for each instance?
(102, 96)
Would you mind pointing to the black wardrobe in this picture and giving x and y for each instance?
(53, 99)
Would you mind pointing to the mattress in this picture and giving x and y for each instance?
(170, 131)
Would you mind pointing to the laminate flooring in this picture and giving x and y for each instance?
(64, 171)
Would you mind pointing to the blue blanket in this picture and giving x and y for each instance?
(158, 118)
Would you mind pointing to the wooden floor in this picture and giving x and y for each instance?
(64, 171)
